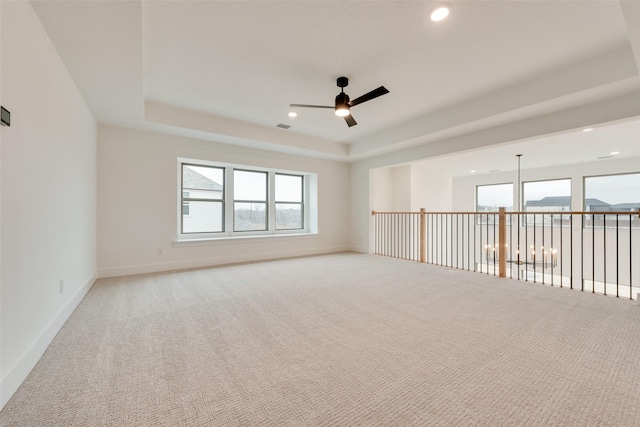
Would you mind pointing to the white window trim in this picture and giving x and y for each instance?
(309, 205)
(584, 201)
(524, 195)
(491, 185)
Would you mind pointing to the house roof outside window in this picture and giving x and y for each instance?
(192, 180)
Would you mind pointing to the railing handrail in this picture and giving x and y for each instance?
(442, 237)
(510, 212)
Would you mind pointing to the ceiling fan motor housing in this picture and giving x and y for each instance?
(342, 99)
(343, 102)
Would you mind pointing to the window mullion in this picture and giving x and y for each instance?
(207, 196)
(271, 201)
(305, 201)
(229, 202)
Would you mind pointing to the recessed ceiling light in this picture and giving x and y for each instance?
(587, 130)
(614, 153)
(293, 114)
(472, 171)
(440, 12)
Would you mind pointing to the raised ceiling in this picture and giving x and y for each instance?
(227, 70)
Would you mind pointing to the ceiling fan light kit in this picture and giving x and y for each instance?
(343, 103)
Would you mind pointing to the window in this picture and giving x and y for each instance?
(202, 199)
(612, 193)
(547, 196)
(223, 200)
(185, 203)
(491, 197)
(289, 202)
(249, 200)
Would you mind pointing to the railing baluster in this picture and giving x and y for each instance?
(571, 252)
(487, 244)
(441, 239)
(630, 258)
(475, 220)
(543, 256)
(604, 253)
(582, 254)
(450, 239)
(618, 257)
(388, 235)
(511, 252)
(552, 252)
(518, 252)
(457, 239)
(469, 243)
(593, 254)
(533, 256)
(561, 253)
(446, 241)
(526, 246)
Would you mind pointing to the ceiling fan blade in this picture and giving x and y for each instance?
(311, 106)
(350, 120)
(369, 96)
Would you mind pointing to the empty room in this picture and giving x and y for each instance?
(319, 213)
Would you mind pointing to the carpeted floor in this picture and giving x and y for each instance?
(336, 340)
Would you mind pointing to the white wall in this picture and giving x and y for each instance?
(406, 188)
(391, 189)
(401, 190)
(431, 187)
(48, 198)
(381, 189)
(137, 204)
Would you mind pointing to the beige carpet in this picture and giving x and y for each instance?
(337, 340)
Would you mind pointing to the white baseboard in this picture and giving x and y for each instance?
(360, 249)
(213, 262)
(19, 373)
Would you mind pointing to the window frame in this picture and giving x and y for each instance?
(263, 202)
(492, 185)
(588, 216)
(489, 217)
(524, 194)
(185, 203)
(301, 203)
(564, 219)
(184, 199)
(228, 226)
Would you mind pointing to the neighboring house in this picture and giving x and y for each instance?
(626, 207)
(597, 205)
(202, 202)
(562, 203)
(549, 204)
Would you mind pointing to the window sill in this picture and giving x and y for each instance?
(181, 243)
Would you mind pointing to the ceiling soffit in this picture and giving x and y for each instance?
(229, 70)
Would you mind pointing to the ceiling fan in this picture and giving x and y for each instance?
(343, 105)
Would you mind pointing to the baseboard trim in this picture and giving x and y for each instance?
(16, 376)
(213, 262)
(360, 249)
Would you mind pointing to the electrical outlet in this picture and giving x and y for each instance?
(160, 251)
(61, 286)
